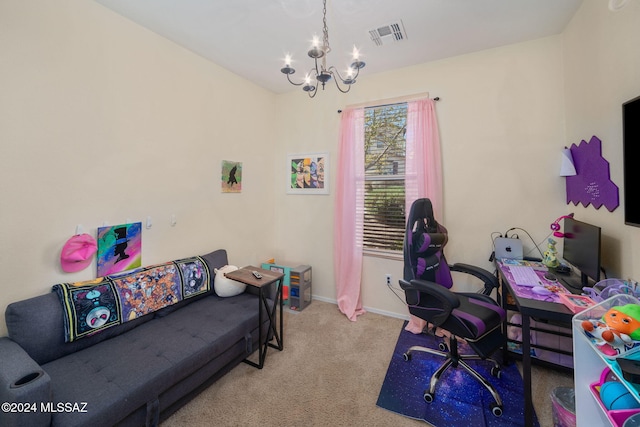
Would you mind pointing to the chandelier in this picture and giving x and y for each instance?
(320, 72)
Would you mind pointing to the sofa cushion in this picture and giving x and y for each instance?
(116, 377)
(37, 325)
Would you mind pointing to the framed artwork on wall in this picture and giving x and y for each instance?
(308, 173)
(231, 177)
(119, 248)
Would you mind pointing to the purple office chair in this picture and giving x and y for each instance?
(474, 317)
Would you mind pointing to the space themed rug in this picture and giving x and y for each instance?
(459, 398)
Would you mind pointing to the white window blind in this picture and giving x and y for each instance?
(384, 204)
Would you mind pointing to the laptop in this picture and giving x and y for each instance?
(508, 248)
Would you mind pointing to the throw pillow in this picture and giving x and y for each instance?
(226, 287)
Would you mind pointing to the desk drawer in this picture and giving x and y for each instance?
(550, 337)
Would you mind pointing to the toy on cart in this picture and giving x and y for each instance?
(609, 287)
(612, 326)
(616, 400)
(576, 303)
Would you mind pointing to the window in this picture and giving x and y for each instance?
(384, 159)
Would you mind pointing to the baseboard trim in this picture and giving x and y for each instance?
(369, 309)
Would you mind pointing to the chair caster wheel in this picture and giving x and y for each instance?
(495, 372)
(406, 356)
(496, 409)
(428, 397)
(443, 347)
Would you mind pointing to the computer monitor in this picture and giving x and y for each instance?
(581, 249)
(630, 140)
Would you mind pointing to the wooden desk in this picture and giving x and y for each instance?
(269, 277)
(552, 312)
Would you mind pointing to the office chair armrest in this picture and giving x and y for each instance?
(490, 280)
(448, 299)
(480, 297)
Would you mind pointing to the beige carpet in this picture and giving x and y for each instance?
(329, 373)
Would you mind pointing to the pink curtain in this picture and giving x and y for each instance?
(349, 213)
(423, 179)
(423, 158)
(423, 167)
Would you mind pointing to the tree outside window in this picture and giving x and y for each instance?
(384, 204)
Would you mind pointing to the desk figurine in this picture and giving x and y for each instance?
(550, 255)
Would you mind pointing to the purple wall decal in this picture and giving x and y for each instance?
(592, 183)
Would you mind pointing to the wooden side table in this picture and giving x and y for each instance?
(269, 277)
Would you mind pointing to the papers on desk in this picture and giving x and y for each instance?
(526, 282)
(524, 276)
(536, 265)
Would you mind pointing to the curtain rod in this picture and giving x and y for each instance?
(391, 101)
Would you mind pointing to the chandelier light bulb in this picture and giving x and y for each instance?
(316, 50)
(349, 72)
(308, 87)
(287, 69)
(356, 54)
(350, 79)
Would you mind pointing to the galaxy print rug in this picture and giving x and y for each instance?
(460, 400)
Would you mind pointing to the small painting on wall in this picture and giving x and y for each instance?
(308, 173)
(119, 248)
(231, 177)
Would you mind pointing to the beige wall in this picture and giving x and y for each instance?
(501, 124)
(104, 121)
(601, 71)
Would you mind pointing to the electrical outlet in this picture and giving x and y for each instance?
(388, 276)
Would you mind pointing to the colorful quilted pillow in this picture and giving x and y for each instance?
(90, 307)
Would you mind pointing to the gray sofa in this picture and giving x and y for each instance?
(137, 373)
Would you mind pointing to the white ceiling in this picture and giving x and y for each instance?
(252, 37)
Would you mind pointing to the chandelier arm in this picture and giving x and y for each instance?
(294, 83)
(353, 79)
(340, 89)
(334, 70)
(313, 73)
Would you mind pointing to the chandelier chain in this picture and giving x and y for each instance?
(325, 29)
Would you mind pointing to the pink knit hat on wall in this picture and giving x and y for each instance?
(77, 252)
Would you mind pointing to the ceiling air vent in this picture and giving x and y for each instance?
(388, 33)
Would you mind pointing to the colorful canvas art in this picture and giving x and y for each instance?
(307, 174)
(231, 177)
(119, 248)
